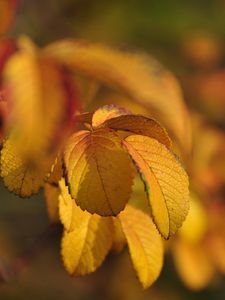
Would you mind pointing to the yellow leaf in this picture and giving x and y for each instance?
(69, 212)
(119, 239)
(139, 125)
(140, 76)
(41, 101)
(52, 202)
(193, 264)
(22, 178)
(105, 113)
(145, 244)
(99, 171)
(166, 179)
(85, 247)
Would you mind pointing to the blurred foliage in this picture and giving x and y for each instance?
(188, 37)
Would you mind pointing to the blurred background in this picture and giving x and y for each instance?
(188, 38)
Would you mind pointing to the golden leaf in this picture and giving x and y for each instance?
(145, 244)
(85, 247)
(139, 125)
(22, 178)
(99, 171)
(69, 212)
(166, 179)
(40, 100)
(141, 77)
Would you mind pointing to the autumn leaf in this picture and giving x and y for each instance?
(42, 101)
(84, 247)
(139, 125)
(166, 179)
(69, 212)
(21, 177)
(99, 171)
(137, 75)
(145, 244)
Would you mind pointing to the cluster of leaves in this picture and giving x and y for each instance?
(87, 161)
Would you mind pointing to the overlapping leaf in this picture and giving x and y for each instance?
(167, 181)
(99, 171)
(41, 101)
(85, 247)
(145, 244)
(139, 125)
(21, 177)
